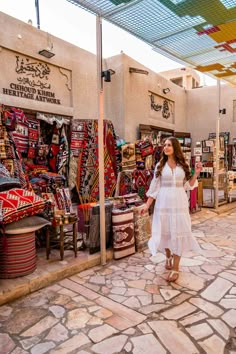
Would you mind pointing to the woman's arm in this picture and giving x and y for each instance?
(196, 174)
(148, 203)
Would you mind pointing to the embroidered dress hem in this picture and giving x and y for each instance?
(180, 247)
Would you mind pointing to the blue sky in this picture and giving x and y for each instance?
(77, 26)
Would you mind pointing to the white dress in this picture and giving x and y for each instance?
(171, 224)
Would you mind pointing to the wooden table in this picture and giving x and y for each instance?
(62, 234)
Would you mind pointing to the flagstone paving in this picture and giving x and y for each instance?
(128, 306)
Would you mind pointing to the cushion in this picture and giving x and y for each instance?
(123, 232)
(28, 224)
(7, 183)
(17, 203)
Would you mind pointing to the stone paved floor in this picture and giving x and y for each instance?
(128, 307)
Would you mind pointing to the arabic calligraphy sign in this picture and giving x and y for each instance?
(34, 73)
(34, 80)
(161, 108)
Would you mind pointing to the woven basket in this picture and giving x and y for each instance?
(17, 255)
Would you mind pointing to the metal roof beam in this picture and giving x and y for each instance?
(121, 8)
(171, 34)
(86, 6)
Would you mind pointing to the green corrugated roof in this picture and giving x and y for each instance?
(199, 33)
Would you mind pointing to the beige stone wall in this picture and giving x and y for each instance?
(114, 94)
(127, 98)
(138, 88)
(70, 67)
(185, 73)
(202, 111)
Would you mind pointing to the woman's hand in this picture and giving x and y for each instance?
(198, 168)
(145, 208)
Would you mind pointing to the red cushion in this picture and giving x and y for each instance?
(18, 203)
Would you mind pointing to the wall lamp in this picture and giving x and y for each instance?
(107, 74)
(166, 90)
(46, 53)
(222, 111)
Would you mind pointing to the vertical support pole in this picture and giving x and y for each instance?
(101, 140)
(216, 204)
(37, 13)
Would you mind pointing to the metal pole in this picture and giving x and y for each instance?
(217, 147)
(101, 140)
(37, 13)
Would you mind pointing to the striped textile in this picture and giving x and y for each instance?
(123, 232)
(88, 164)
(18, 256)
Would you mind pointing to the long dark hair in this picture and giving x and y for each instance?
(178, 156)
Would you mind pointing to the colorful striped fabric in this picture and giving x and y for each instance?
(88, 164)
(17, 255)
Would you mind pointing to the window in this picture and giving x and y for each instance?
(178, 81)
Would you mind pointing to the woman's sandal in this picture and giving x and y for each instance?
(173, 276)
(168, 264)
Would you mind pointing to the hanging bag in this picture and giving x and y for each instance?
(9, 120)
(146, 148)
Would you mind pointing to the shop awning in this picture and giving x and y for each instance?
(198, 33)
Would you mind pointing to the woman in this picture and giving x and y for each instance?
(171, 225)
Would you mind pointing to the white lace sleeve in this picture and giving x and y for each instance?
(187, 186)
(154, 186)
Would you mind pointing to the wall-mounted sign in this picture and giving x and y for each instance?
(162, 107)
(33, 79)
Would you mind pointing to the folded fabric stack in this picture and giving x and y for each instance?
(6, 181)
(39, 185)
(53, 180)
(35, 170)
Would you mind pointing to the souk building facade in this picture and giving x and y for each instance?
(127, 98)
(62, 92)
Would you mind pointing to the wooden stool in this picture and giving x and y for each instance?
(62, 234)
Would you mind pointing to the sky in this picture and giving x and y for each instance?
(77, 26)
